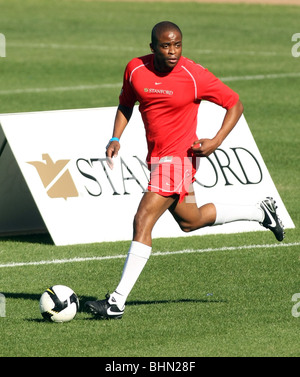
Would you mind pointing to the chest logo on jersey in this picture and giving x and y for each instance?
(158, 91)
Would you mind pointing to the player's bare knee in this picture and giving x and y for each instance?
(139, 221)
(136, 223)
(185, 227)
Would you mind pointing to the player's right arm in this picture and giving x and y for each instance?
(127, 100)
(122, 118)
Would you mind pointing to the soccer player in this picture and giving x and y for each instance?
(169, 88)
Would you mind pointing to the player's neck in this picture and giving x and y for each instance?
(161, 68)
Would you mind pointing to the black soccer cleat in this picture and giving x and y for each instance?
(102, 309)
(271, 220)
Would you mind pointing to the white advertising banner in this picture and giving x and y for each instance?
(61, 155)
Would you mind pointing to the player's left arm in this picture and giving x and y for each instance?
(204, 147)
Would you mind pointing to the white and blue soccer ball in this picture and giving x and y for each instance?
(59, 304)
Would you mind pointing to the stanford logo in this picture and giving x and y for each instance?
(56, 178)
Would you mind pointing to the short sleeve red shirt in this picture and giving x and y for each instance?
(169, 102)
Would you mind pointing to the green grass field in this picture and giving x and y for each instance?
(64, 54)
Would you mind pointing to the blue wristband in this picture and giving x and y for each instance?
(114, 139)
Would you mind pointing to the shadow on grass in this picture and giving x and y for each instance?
(83, 299)
(36, 297)
(180, 300)
(43, 238)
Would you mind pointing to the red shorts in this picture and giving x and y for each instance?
(172, 175)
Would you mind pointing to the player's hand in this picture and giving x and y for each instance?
(204, 147)
(112, 150)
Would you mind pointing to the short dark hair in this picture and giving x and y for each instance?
(162, 27)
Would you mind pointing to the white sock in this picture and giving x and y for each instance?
(227, 213)
(136, 260)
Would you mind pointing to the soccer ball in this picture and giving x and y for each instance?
(59, 304)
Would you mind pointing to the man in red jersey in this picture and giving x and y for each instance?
(169, 89)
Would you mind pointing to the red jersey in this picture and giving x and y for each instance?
(169, 102)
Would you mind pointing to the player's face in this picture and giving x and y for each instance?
(167, 50)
